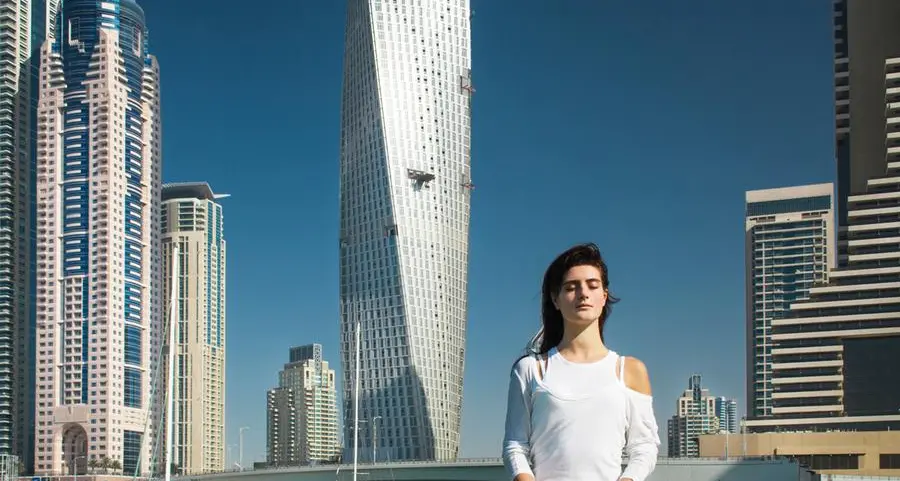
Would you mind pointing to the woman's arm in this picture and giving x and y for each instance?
(516, 440)
(642, 444)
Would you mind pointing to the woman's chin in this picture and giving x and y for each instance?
(583, 319)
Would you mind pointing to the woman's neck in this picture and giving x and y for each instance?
(582, 344)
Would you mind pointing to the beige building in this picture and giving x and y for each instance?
(872, 453)
(302, 423)
(695, 414)
(192, 217)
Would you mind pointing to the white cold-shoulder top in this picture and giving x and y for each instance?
(568, 421)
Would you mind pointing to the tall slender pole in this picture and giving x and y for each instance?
(170, 381)
(726, 444)
(356, 406)
(743, 437)
(241, 446)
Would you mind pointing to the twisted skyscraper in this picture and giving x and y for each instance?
(404, 201)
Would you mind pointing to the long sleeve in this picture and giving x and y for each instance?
(642, 437)
(516, 440)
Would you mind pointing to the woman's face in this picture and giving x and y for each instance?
(581, 296)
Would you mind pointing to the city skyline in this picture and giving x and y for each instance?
(405, 186)
(313, 221)
(98, 242)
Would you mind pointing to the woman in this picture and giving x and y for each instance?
(574, 405)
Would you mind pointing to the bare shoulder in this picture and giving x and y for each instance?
(636, 375)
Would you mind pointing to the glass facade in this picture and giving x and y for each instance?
(726, 411)
(24, 25)
(405, 187)
(131, 453)
(869, 388)
(787, 206)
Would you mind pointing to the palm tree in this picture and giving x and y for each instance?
(116, 466)
(105, 463)
(93, 464)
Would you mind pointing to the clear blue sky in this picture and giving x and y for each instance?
(637, 125)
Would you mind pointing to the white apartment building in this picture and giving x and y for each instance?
(405, 187)
(192, 218)
(98, 250)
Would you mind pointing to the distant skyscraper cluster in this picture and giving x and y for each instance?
(698, 412)
(302, 415)
(83, 306)
(405, 186)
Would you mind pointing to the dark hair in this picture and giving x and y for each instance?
(552, 320)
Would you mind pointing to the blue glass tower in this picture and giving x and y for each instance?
(98, 205)
(24, 24)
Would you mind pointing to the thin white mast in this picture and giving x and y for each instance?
(170, 374)
(356, 405)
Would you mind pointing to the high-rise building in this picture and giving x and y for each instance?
(302, 426)
(192, 219)
(831, 356)
(865, 35)
(726, 411)
(98, 250)
(24, 25)
(281, 428)
(695, 414)
(405, 185)
(789, 237)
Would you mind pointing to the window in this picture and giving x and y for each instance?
(137, 41)
(889, 461)
(132, 387)
(73, 31)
